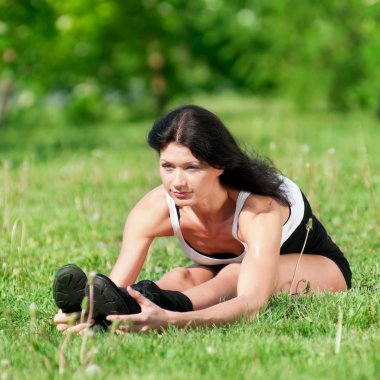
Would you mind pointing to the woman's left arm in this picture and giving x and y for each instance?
(257, 281)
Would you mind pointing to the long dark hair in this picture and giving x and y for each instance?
(210, 141)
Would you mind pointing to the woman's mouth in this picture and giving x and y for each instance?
(181, 194)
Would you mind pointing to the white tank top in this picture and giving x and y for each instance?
(297, 209)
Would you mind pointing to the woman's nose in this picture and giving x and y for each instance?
(179, 178)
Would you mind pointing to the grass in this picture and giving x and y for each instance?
(64, 196)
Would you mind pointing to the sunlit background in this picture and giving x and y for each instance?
(99, 59)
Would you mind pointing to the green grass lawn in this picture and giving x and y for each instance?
(64, 196)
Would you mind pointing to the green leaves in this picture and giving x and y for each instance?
(325, 52)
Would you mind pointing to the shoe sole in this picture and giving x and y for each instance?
(69, 288)
(107, 299)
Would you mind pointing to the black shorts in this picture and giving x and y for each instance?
(318, 243)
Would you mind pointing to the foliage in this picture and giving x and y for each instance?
(90, 54)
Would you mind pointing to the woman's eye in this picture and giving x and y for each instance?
(193, 167)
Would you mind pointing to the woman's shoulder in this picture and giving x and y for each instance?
(256, 205)
(156, 194)
(154, 200)
(151, 213)
(251, 202)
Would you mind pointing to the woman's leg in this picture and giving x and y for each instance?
(221, 287)
(322, 274)
(184, 278)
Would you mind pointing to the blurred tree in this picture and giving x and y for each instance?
(91, 53)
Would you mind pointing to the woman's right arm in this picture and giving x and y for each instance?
(147, 220)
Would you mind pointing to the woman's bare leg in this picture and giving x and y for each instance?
(322, 274)
(223, 286)
(183, 278)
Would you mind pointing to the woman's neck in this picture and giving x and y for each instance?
(217, 207)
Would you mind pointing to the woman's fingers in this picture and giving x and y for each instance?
(67, 323)
(60, 317)
(139, 298)
(79, 328)
(132, 318)
(152, 317)
(133, 322)
(62, 327)
(68, 318)
(125, 328)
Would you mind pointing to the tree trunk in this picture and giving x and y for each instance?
(4, 100)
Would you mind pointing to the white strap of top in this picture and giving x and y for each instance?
(243, 195)
(173, 216)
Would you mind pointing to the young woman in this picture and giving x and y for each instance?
(241, 223)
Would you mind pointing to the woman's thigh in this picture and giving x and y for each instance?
(319, 271)
(184, 278)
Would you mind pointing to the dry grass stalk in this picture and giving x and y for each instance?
(338, 337)
(309, 226)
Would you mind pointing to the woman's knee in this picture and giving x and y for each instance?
(182, 274)
(179, 278)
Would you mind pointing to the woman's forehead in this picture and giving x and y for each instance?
(176, 151)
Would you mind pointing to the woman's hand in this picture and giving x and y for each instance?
(151, 317)
(70, 322)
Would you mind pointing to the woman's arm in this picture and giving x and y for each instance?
(147, 220)
(258, 273)
(257, 281)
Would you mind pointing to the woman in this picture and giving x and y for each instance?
(245, 227)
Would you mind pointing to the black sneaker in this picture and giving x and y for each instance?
(69, 288)
(108, 299)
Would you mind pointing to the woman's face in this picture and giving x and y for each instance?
(185, 178)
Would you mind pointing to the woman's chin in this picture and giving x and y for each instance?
(183, 202)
